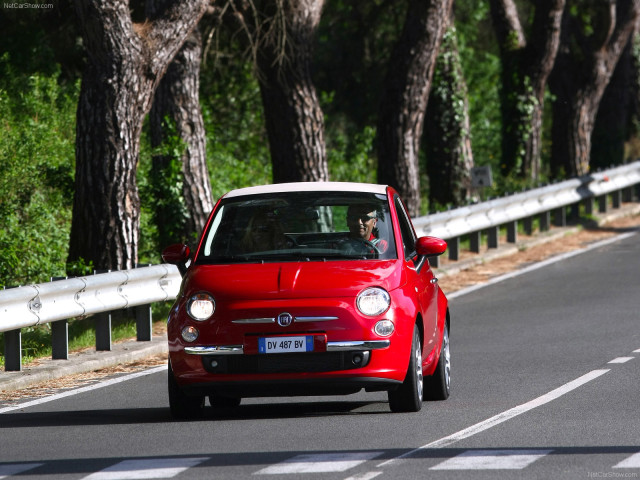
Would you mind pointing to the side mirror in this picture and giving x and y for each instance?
(177, 254)
(430, 246)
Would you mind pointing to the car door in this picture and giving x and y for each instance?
(420, 278)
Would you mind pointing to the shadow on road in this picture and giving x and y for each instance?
(160, 415)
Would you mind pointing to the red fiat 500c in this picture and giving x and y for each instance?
(308, 289)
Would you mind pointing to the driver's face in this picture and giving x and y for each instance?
(361, 223)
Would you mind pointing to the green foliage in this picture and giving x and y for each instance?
(446, 132)
(350, 157)
(165, 182)
(525, 104)
(354, 43)
(481, 66)
(237, 146)
(37, 133)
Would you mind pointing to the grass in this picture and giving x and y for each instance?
(36, 341)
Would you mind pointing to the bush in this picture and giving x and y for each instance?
(37, 134)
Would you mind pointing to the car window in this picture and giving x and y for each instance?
(300, 226)
(406, 231)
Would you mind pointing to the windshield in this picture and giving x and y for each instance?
(299, 226)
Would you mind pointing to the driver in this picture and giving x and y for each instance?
(362, 220)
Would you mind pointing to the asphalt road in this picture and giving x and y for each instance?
(546, 380)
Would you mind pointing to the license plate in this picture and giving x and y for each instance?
(285, 344)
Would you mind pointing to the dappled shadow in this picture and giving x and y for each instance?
(208, 460)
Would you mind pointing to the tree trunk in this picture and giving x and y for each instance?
(613, 120)
(583, 69)
(447, 132)
(294, 120)
(177, 99)
(125, 62)
(405, 96)
(525, 70)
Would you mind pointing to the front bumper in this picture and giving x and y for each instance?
(339, 356)
(331, 347)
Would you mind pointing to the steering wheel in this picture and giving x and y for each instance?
(360, 246)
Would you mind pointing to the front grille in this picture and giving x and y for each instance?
(285, 362)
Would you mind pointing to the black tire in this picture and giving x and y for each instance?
(183, 406)
(438, 385)
(224, 402)
(408, 397)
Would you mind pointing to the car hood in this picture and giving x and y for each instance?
(293, 280)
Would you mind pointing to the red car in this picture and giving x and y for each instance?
(308, 289)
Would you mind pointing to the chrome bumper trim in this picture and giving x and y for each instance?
(254, 320)
(251, 321)
(221, 350)
(314, 319)
(357, 345)
(331, 347)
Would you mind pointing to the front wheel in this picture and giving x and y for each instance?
(438, 385)
(181, 405)
(408, 397)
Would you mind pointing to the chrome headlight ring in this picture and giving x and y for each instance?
(373, 301)
(201, 306)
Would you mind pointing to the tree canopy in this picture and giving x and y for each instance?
(342, 61)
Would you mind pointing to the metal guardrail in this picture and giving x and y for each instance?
(98, 295)
(489, 216)
(101, 294)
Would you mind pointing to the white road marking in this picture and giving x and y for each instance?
(492, 460)
(632, 462)
(319, 463)
(16, 468)
(621, 360)
(536, 266)
(88, 388)
(502, 417)
(146, 468)
(636, 351)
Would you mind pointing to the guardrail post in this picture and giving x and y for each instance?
(13, 351)
(60, 340)
(627, 194)
(588, 205)
(575, 213)
(453, 245)
(103, 331)
(474, 241)
(560, 217)
(527, 224)
(602, 204)
(59, 335)
(144, 323)
(545, 221)
(616, 198)
(492, 237)
(512, 232)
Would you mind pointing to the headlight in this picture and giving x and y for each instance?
(373, 301)
(201, 306)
